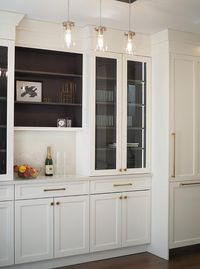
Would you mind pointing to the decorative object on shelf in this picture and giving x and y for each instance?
(48, 163)
(129, 35)
(61, 122)
(46, 99)
(100, 46)
(67, 94)
(104, 96)
(68, 29)
(25, 171)
(28, 91)
(68, 122)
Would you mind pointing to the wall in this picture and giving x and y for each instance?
(30, 147)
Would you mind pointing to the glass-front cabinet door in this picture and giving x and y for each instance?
(6, 116)
(135, 123)
(3, 108)
(106, 116)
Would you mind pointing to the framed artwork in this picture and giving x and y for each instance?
(28, 91)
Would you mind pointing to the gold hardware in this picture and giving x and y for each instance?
(61, 189)
(121, 185)
(174, 156)
(57, 203)
(120, 197)
(125, 197)
(120, 170)
(189, 184)
(52, 203)
(125, 169)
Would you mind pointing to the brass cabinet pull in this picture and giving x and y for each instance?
(125, 169)
(52, 203)
(120, 197)
(61, 189)
(174, 155)
(120, 170)
(125, 197)
(189, 184)
(57, 203)
(121, 185)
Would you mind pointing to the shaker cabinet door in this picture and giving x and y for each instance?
(183, 140)
(135, 218)
(6, 233)
(71, 226)
(105, 221)
(184, 214)
(33, 230)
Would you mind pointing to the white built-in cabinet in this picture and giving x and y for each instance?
(184, 154)
(119, 220)
(6, 225)
(51, 228)
(119, 128)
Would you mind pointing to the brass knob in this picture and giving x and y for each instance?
(120, 170)
(125, 169)
(120, 197)
(52, 203)
(57, 203)
(125, 197)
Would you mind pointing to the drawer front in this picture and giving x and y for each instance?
(119, 185)
(39, 190)
(6, 192)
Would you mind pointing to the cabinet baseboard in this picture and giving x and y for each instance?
(53, 263)
(184, 250)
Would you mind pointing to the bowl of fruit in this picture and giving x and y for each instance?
(25, 171)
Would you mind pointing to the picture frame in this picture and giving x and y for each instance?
(28, 91)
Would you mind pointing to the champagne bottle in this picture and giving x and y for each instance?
(48, 163)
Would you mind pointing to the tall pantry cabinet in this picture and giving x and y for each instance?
(176, 144)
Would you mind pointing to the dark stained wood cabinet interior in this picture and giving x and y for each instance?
(59, 94)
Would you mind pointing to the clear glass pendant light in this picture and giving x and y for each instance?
(129, 35)
(100, 46)
(68, 29)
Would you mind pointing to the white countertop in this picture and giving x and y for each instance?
(69, 178)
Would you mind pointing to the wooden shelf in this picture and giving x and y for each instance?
(136, 81)
(106, 78)
(42, 73)
(106, 103)
(47, 104)
(47, 129)
(137, 105)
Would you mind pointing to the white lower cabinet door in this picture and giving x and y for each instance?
(184, 214)
(71, 231)
(33, 230)
(135, 218)
(6, 233)
(105, 221)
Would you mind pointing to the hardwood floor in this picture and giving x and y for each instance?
(144, 261)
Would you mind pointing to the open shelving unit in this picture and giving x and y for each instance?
(60, 77)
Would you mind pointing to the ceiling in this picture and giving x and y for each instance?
(148, 16)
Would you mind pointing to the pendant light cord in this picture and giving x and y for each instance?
(68, 10)
(100, 10)
(129, 25)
